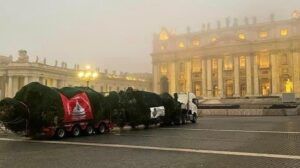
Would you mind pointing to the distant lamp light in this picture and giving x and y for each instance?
(284, 32)
(87, 67)
(95, 75)
(196, 42)
(163, 35)
(81, 74)
(87, 75)
(242, 36)
(296, 14)
(214, 39)
(263, 34)
(181, 45)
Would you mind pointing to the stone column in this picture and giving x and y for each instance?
(255, 76)
(155, 78)
(15, 86)
(54, 82)
(275, 74)
(296, 73)
(26, 80)
(209, 83)
(248, 75)
(172, 80)
(236, 78)
(189, 76)
(220, 77)
(203, 67)
(9, 87)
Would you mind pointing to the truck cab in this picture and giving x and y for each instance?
(188, 105)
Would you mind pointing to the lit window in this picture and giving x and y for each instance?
(242, 62)
(263, 34)
(181, 45)
(162, 47)
(264, 60)
(284, 32)
(228, 63)
(242, 36)
(163, 35)
(196, 42)
(214, 39)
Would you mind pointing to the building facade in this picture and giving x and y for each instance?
(252, 59)
(16, 74)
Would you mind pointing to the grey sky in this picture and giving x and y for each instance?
(114, 34)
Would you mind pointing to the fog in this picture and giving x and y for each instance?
(114, 34)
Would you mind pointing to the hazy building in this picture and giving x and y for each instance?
(236, 60)
(16, 74)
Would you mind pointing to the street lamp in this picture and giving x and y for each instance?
(87, 75)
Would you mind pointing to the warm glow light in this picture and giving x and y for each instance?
(162, 47)
(80, 74)
(88, 74)
(196, 42)
(214, 39)
(163, 36)
(242, 36)
(263, 34)
(284, 32)
(181, 45)
(95, 75)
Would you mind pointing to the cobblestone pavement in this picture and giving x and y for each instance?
(212, 142)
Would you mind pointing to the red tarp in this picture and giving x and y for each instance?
(77, 108)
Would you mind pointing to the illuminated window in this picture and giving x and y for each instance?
(228, 63)
(196, 66)
(284, 32)
(264, 61)
(242, 36)
(196, 42)
(163, 35)
(213, 39)
(263, 34)
(181, 45)
(242, 62)
(162, 47)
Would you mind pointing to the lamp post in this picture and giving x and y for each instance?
(87, 75)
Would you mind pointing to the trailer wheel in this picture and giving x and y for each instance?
(89, 130)
(102, 128)
(76, 131)
(184, 120)
(194, 120)
(60, 133)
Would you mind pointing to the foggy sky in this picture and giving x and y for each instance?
(114, 34)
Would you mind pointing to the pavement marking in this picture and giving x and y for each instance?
(186, 150)
(243, 131)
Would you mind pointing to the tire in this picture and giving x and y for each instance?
(89, 130)
(60, 133)
(76, 131)
(179, 121)
(184, 120)
(101, 128)
(194, 120)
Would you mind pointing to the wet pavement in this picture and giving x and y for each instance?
(211, 142)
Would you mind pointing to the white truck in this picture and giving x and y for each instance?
(188, 106)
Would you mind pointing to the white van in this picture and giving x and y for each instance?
(188, 105)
